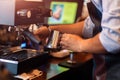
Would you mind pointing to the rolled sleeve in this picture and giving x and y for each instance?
(88, 28)
(110, 35)
(110, 42)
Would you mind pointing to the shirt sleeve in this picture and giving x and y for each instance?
(110, 35)
(88, 28)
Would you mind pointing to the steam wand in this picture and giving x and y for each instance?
(71, 60)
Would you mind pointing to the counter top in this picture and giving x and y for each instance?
(52, 71)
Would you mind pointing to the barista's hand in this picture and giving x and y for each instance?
(42, 32)
(71, 42)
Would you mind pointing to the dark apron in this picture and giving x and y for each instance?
(106, 67)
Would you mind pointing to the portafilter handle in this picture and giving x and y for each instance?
(31, 36)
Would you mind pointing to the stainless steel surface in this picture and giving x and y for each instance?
(53, 40)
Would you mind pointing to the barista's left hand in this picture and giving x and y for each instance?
(71, 42)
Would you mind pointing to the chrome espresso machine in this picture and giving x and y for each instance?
(15, 18)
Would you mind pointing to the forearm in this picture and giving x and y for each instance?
(92, 45)
(70, 28)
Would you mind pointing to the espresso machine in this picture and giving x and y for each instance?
(19, 15)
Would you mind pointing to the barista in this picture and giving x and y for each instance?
(98, 34)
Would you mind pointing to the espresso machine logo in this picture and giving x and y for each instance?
(24, 13)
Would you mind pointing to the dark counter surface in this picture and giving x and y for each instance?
(52, 71)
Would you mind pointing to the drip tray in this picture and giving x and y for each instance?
(23, 60)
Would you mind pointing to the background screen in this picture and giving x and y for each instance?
(63, 12)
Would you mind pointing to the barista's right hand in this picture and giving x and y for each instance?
(42, 32)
